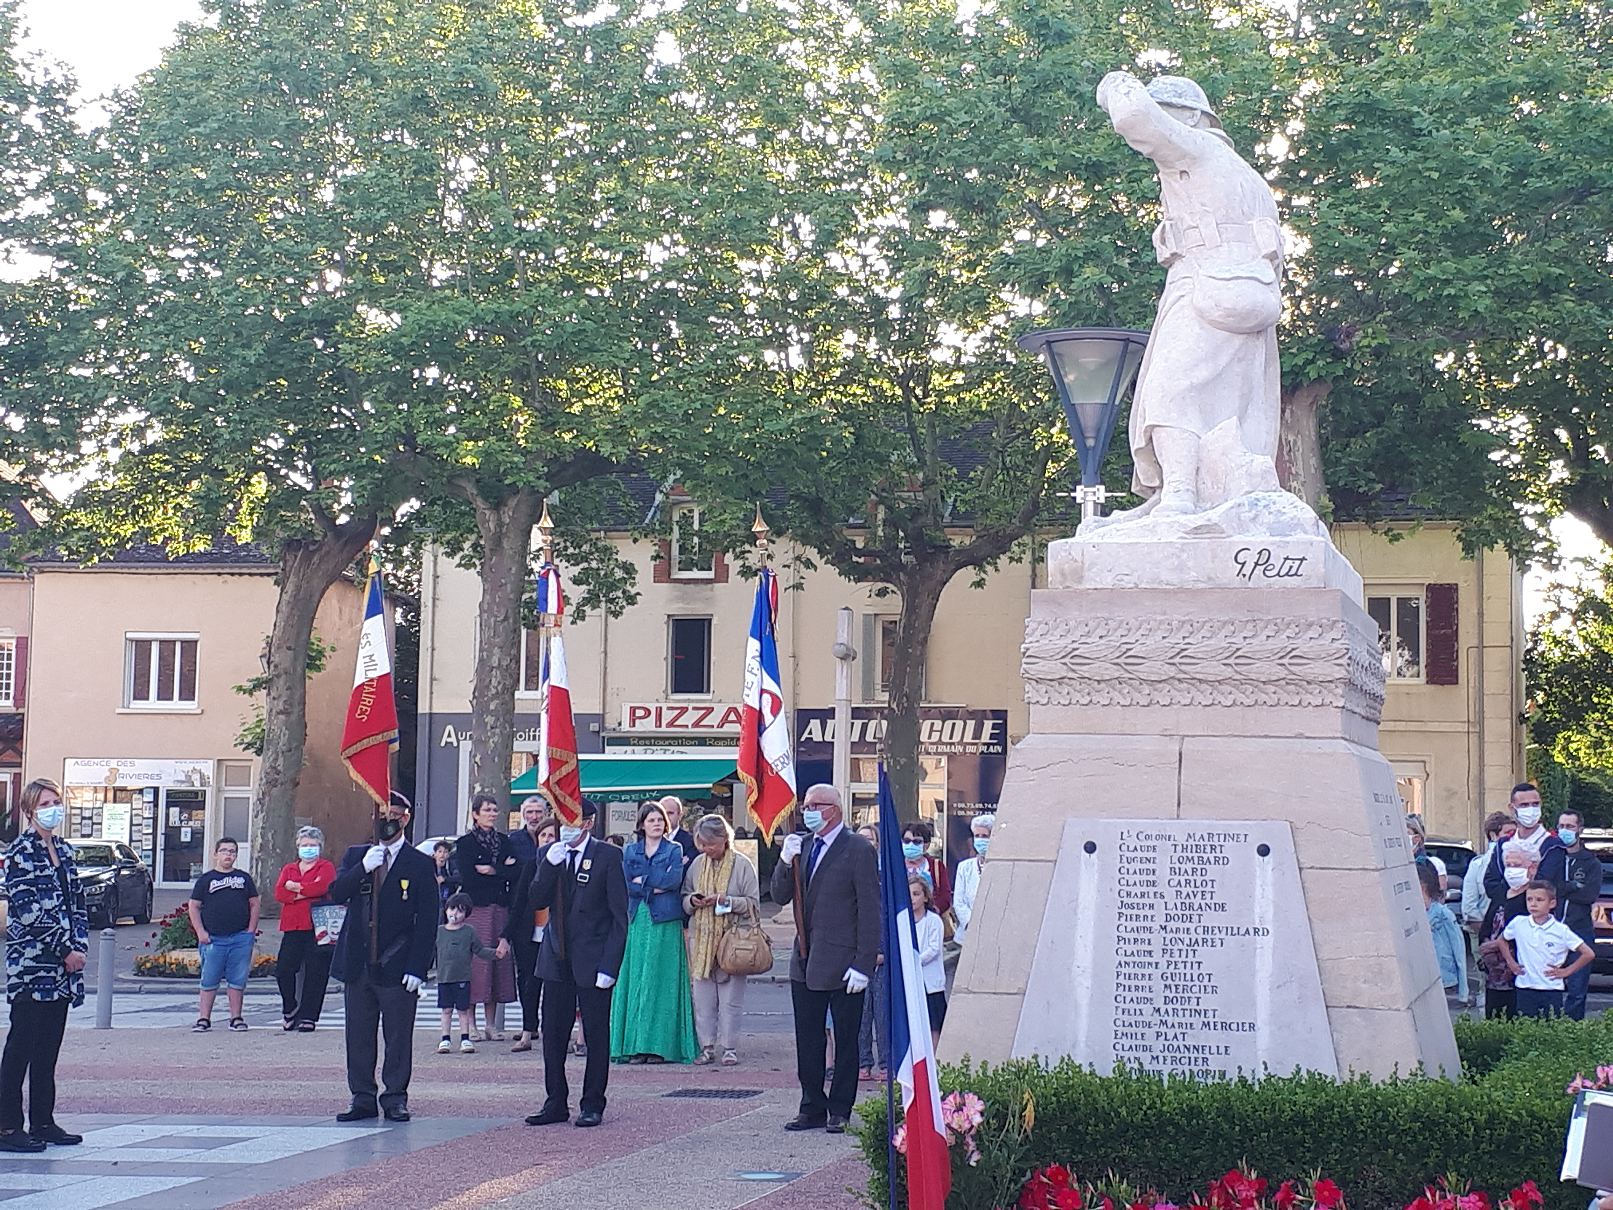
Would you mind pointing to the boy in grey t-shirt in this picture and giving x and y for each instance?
(457, 945)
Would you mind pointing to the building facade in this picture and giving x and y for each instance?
(667, 676)
(132, 665)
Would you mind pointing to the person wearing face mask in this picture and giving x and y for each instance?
(302, 884)
(581, 883)
(47, 939)
(1500, 990)
(1545, 852)
(916, 838)
(969, 871)
(385, 949)
(832, 876)
(1582, 875)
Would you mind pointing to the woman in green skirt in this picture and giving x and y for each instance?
(651, 1014)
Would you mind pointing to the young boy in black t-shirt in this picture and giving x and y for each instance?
(224, 912)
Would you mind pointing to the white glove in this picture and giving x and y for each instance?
(791, 849)
(413, 982)
(374, 857)
(856, 981)
(556, 854)
(605, 982)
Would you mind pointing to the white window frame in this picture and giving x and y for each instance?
(185, 706)
(8, 673)
(679, 512)
(1395, 593)
(671, 654)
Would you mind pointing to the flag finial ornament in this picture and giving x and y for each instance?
(763, 533)
(546, 534)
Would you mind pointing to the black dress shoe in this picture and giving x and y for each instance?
(548, 1117)
(358, 1113)
(803, 1121)
(396, 1113)
(837, 1125)
(57, 1136)
(590, 1119)
(20, 1141)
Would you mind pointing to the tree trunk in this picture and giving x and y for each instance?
(921, 594)
(1299, 442)
(307, 570)
(506, 534)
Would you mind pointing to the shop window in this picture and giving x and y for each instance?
(1400, 635)
(689, 640)
(8, 673)
(689, 555)
(161, 670)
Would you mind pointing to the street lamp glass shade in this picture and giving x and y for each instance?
(1093, 369)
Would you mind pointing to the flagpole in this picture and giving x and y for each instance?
(890, 1028)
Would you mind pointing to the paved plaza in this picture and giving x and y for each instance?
(180, 1121)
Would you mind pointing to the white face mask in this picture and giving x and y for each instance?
(1528, 816)
(1516, 876)
(50, 818)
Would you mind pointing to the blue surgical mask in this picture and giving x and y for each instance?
(982, 843)
(50, 818)
(569, 835)
(813, 818)
(1568, 836)
(308, 851)
(912, 851)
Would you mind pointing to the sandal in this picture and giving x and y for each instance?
(706, 1057)
(237, 1024)
(730, 1059)
(202, 1026)
(288, 1024)
(306, 1027)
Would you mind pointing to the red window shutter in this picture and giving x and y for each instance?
(1444, 647)
(19, 673)
(719, 569)
(661, 569)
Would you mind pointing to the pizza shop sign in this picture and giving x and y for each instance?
(701, 718)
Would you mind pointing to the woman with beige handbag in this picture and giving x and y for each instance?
(722, 896)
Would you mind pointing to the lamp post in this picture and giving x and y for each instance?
(1093, 369)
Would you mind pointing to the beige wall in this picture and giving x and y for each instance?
(15, 607)
(1466, 736)
(76, 680)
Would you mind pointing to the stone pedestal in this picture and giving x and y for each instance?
(1244, 710)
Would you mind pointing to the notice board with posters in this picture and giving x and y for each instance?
(964, 749)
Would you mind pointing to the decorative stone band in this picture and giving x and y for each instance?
(1141, 661)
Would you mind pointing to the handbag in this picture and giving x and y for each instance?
(328, 919)
(743, 949)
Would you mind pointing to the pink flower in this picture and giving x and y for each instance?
(899, 1139)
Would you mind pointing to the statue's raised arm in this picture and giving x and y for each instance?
(1205, 412)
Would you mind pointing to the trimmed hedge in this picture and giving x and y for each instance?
(1383, 1142)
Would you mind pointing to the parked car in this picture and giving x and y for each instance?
(1457, 856)
(1600, 842)
(116, 882)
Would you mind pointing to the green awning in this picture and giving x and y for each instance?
(614, 777)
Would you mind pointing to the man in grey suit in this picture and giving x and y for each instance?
(832, 876)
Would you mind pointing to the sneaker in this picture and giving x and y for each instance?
(467, 1047)
(202, 1026)
(445, 1045)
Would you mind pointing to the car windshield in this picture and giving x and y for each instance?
(94, 854)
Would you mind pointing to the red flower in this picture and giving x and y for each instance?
(1477, 1200)
(1285, 1196)
(1327, 1194)
(1522, 1198)
(1067, 1199)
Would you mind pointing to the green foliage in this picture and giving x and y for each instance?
(1568, 669)
(175, 931)
(250, 737)
(1502, 1124)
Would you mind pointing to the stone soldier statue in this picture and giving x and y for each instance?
(1205, 412)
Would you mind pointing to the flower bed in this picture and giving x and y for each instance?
(1500, 1126)
(187, 964)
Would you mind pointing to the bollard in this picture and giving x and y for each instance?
(103, 986)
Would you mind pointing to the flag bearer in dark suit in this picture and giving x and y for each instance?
(833, 879)
(383, 954)
(580, 881)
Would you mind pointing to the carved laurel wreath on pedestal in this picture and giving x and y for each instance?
(1110, 661)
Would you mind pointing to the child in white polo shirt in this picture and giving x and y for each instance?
(1542, 943)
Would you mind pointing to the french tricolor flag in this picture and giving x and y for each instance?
(558, 772)
(929, 1166)
(370, 733)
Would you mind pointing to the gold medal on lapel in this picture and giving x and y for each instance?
(404, 884)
